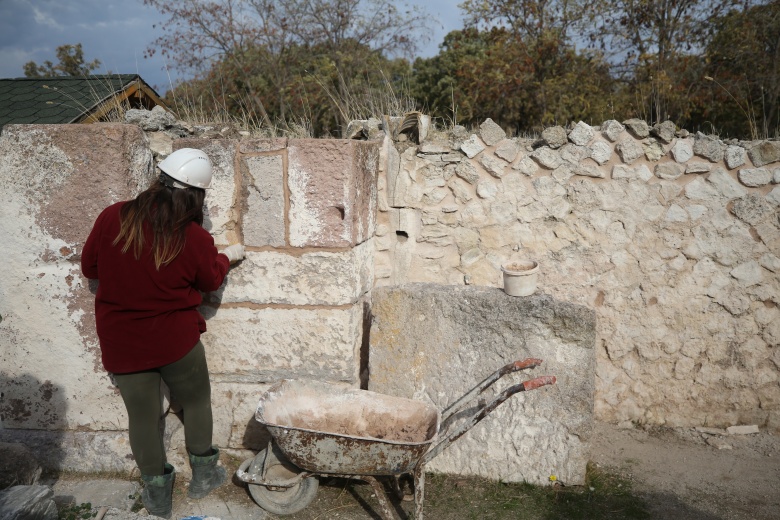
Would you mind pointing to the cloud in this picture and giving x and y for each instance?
(43, 18)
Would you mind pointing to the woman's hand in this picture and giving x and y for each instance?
(234, 253)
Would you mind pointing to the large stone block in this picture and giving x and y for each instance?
(54, 181)
(234, 406)
(332, 185)
(263, 209)
(435, 342)
(312, 278)
(221, 214)
(258, 345)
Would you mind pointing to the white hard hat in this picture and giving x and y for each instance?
(189, 166)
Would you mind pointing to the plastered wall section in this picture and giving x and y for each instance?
(54, 181)
(295, 307)
(673, 240)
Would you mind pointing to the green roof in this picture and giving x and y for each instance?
(69, 99)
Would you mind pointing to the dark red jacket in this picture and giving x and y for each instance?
(148, 318)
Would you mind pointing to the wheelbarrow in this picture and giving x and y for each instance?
(323, 429)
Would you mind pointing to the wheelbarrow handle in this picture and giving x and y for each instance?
(515, 366)
(483, 411)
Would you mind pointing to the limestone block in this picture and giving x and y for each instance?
(526, 166)
(773, 197)
(573, 153)
(764, 152)
(78, 451)
(466, 171)
(487, 189)
(262, 145)
(220, 215)
(776, 176)
(422, 334)
(54, 181)
(654, 151)
(637, 127)
(563, 173)
(664, 131)
(612, 129)
(581, 134)
(588, 170)
(491, 133)
(18, 465)
(461, 191)
(262, 214)
(473, 146)
(699, 189)
(312, 278)
(682, 151)
(624, 172)
(749, 273)
(332, 186)
(28, 502)
(725, 184)
(547, 157)
(234, 406)
(434, 148)
(755, 177)
(676, 214)
(495, 167)
(752, 209)
(698, 167)
(735, 156)
(708, 147)
(770, 262)
(554, 136)
(629, 150)
(668, 171)
(259, 345)
(390, 163)
(507, 150)
(601, 152)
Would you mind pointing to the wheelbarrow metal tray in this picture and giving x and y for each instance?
(329, 428)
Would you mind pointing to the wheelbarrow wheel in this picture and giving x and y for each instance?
(279, 500)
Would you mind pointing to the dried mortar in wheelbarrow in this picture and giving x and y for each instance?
(328, 428)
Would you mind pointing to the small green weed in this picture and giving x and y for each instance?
(76, 512)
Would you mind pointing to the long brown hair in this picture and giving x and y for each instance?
(167, 211)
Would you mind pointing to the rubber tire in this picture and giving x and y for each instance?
(288, 501)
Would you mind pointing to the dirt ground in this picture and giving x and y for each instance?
(677, 473)
(681, 475)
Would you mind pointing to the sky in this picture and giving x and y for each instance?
(118, 31)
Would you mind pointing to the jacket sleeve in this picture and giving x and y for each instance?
(89, 255)
(212, 265)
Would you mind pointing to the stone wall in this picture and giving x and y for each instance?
(672, 238)
(295, 307)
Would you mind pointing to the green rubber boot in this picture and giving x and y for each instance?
(157, 493)
(206, 475)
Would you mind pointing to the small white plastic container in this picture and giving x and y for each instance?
(520, 277)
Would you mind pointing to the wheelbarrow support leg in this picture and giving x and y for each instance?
(419, 491)
(385, 508)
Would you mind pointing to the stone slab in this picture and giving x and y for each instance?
(264, 344)
(332, 186)
(745, 429)
(435, 342)
(263, 201)
(116, 493)
(312, 278)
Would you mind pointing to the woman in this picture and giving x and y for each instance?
(152, 257)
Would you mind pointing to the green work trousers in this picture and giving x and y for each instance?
(188, 381)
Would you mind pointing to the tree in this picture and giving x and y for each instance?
(262, 42)
(743, 72)
(653, 45)
(70, 63)
(481, 74)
